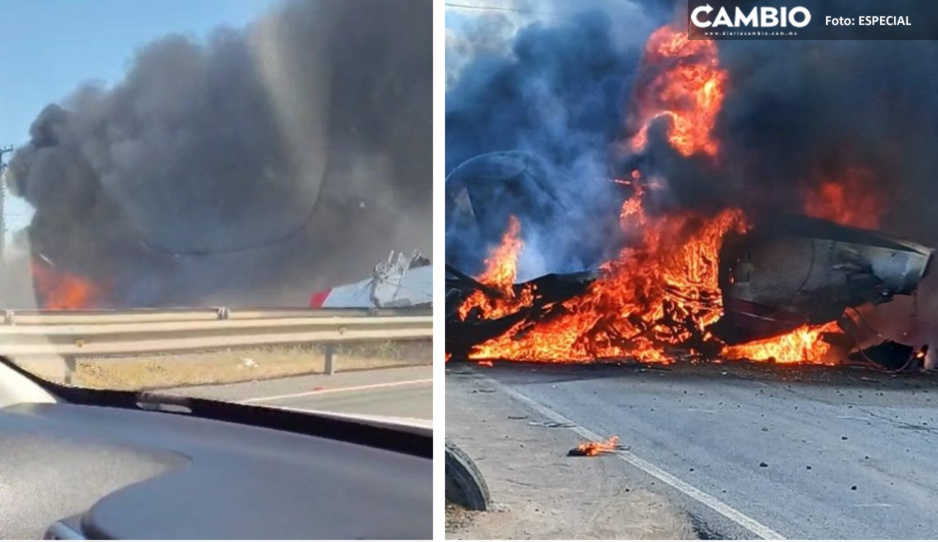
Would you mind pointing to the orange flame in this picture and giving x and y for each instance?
(687, 85)
(59, 290)
(656, 297)
(847, 199)
(501, 270)
(632, 209)
(663, 291)
(800, 345)
(591, 448)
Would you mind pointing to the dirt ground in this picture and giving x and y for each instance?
(538, 491)
(235, 365)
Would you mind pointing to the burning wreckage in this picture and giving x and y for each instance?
(787, 290)
(685, 257)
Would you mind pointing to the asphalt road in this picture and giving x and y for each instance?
(748, 451)
(400, 393)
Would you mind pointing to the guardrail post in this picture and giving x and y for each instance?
(330, 360)
(222, 313)
(69, 369)
(9, 317)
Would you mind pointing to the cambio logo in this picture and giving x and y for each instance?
(764, 17)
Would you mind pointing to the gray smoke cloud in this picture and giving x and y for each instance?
(252, 168)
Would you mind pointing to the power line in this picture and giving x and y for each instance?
(487, 8)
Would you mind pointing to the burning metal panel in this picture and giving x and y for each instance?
(808, 271)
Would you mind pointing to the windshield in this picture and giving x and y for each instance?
(229, 200)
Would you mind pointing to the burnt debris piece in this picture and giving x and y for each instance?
(800, 270)
(593, 448)
(890, 355)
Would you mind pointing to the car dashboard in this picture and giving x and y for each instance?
(126, 468)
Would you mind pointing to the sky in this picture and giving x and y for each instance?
(48, 48)
(464, 18)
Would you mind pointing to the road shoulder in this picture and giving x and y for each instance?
(539, 492)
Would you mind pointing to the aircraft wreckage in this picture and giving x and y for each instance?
(773, 280)
(789, 275)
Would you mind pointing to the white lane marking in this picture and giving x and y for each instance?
(338, 390)
(698, 495)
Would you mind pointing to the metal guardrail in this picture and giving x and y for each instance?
(55, 317)
(74, 334)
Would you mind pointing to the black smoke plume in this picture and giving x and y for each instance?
(252, 168)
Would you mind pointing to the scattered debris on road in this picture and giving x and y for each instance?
(551, 425)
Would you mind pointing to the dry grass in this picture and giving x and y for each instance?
(235, 365)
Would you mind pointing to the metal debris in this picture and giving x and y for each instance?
(551, 425)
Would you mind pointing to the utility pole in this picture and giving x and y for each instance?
(3, 191)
